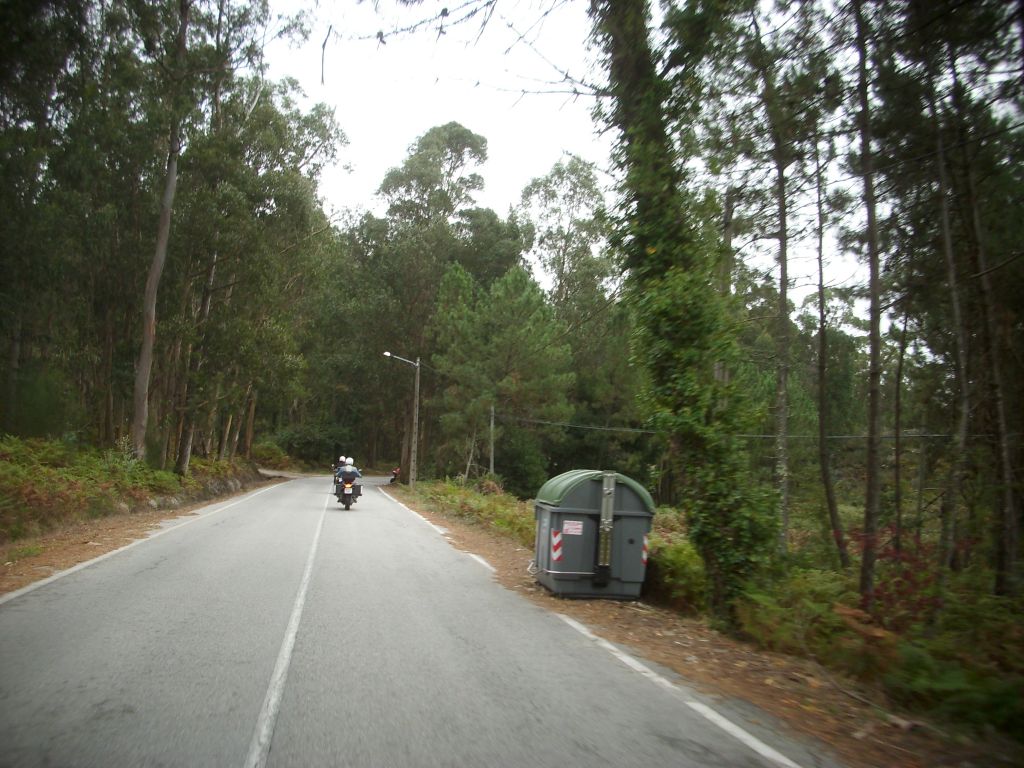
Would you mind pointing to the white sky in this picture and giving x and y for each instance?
(385, 96)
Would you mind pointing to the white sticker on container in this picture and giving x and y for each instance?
(572, 527)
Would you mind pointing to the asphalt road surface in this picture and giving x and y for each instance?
(279, 629)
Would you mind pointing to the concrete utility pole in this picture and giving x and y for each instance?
(415, 426)
(415, 416)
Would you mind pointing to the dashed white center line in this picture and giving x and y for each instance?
(259, 748)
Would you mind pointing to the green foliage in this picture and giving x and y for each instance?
(525, 467)
(967, 670)
(483, 504)
(675, 573)
(47, 406)
(503, 348)
(433, 183)
(794, 614)
(20, 553)
(270, 455)
(311, 442)
(566, 208)
(959, 693)
(46, 483)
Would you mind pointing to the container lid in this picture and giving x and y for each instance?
(554, 491)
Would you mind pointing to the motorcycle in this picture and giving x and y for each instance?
(347, 491)
(394, 474)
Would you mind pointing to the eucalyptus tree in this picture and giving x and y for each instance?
(567, 210)
(174, 65)
(252, 226)
(51, 54)
(437, 179)
(432, 222)
(425, 196)
(566, 207)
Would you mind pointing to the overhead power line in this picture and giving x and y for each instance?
(635, 430)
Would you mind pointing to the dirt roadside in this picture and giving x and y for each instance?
(808, 699)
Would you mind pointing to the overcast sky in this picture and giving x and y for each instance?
(386, 95)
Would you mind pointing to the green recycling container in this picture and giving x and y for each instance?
(592, 529)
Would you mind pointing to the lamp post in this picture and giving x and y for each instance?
(415, 416)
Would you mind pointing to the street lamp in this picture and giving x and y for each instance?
(415, 416)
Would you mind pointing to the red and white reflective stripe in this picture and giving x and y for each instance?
(643, 554)
(556, 546)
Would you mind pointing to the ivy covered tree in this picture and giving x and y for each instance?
(683, 326)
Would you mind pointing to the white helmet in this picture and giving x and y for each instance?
(341, 459)
(349, 461)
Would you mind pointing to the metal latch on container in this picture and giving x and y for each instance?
(604, 534)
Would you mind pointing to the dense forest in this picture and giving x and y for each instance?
(172, 285)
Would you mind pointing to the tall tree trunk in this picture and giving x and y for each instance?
(140, 417)
(770, 103)
(824, 459)
(239, 420)
(1006, 533)
(782, 358)
(728, 261)
(195, 364)
(210, 433)
(469, 458)
(952, 494)
(250, 425)
(725, 268)
(13, 367)
(106, 431)
(897, 468)
(1006, 539)
(873, 491)
(922, 476)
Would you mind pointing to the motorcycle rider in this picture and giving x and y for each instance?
(337, 469)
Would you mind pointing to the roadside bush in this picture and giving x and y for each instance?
(955, 692)
(968, 666)
(795, 614)
(46, 483)
(498, 510)
(270, 455)
(675, 574)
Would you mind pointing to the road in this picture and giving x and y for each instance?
(279, 629)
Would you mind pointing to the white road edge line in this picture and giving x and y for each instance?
(704, 710)
(149, 537)
(482, 562)
(625, 658)
(735, 731)
(437, 528)
(259, 749)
